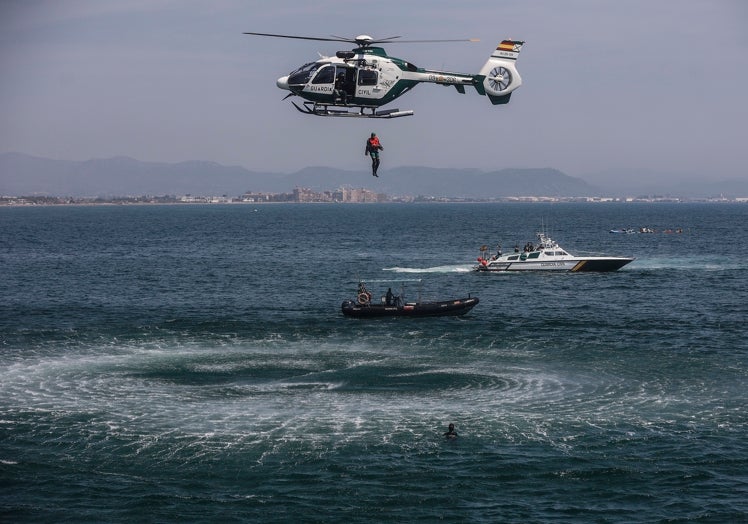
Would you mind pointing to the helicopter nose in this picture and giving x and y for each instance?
(282, 82)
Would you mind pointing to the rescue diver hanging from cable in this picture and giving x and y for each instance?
(372, 149)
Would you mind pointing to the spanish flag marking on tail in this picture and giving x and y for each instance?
(510, 45)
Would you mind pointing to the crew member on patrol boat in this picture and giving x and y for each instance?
(372, 149)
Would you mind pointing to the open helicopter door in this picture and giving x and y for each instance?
(345, 82)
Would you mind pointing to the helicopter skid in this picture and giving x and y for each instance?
(350, 111)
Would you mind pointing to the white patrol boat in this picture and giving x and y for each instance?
(547, 255)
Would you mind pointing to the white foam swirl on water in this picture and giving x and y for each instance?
(199, 399)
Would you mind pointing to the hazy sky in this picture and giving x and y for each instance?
(645, 85)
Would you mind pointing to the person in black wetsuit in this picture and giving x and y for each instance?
(451, 433)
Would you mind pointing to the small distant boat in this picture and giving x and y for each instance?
(630, 231)
(546, 256)
(392, 305)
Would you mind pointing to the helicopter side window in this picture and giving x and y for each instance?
(326, 75)
(303, 74)
(367, 77)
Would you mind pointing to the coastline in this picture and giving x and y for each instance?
(35, 201)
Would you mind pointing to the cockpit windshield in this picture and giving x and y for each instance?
(302, 75)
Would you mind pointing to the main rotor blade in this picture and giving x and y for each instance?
(302, 37)
(387, 40)
(434, 41)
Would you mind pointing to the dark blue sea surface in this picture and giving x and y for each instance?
(191, 363)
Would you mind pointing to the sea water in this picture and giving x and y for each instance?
(191, 363)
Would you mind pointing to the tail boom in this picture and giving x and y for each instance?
(497, 79)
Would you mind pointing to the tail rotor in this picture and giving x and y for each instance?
(499, 79)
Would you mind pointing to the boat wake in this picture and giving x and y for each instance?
(459, 268)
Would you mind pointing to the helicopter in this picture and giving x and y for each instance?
(357, 83)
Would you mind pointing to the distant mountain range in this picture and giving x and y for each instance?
(24, 175)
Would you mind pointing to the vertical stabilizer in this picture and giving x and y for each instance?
(501, 77)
